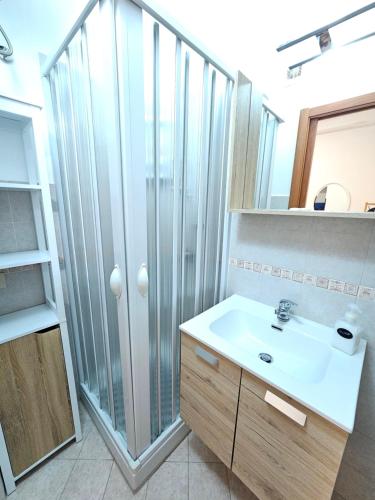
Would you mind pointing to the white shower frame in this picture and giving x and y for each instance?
(137, 409)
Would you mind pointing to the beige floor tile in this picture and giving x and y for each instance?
(118, 488)
(359, 454)
(337, 496)
(70, 451)
(94, 448)
(238, 491)
(88, 480)
(353, 485)
(45, 483)
(181, 453)
(86, 423)
(198, 451)
(208, 481)
(169, 482)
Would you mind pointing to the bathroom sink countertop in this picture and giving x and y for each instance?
(304, 364)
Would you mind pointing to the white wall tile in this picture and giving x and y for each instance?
(369, 269)
(244, 282)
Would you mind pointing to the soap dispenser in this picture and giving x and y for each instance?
(347, 331)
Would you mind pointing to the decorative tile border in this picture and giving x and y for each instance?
(363, 292)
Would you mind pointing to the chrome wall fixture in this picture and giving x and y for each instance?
(5, 51)
(359, 24)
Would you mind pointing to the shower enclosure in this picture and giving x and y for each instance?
(140, 124)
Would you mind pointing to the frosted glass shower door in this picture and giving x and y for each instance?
(142, 122)
(99, 118)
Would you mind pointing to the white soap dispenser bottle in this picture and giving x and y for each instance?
(347, 331)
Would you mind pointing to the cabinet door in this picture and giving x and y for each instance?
(209, 396)
(279, 458)
(35, 411)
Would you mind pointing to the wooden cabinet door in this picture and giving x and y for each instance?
(209, 396)
(282, 449)
(35, 411)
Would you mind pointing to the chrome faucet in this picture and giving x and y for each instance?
(283, 312)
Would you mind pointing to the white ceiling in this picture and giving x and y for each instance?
(242, 33)
(236, 30)
(246, 33)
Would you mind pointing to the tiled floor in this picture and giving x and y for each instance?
(86, 471)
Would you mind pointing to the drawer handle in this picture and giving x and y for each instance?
(285, 408)
(206, 356)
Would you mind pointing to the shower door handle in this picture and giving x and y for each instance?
(115, 282)
(142, 280)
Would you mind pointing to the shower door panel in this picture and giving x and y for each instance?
(99, 122)
(103, 108)
(128, 18)
(119, 125)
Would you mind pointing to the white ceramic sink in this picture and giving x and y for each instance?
(293, 352)
(304, 364)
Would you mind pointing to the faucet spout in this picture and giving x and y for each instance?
(283, 312)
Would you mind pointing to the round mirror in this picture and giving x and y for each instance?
(332, 197)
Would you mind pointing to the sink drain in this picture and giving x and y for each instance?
(267, 358)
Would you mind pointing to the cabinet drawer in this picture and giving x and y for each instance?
(283, 450)
(209, 396)
(35, 411)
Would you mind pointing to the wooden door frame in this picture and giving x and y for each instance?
(307, 128)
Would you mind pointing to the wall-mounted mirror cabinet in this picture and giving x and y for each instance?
(334, 157)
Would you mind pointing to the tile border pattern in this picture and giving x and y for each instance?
(338, 286)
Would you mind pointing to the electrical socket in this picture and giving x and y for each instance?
(3, 283)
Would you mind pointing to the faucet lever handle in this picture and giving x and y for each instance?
(287, 303)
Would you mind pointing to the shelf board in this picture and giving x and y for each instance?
(304, 213)
(18, 186)
(17, 259)
(26, 321)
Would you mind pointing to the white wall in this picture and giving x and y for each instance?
(33, 26)
(13, 161)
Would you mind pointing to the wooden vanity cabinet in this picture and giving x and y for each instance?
(35, 411)
(277, 447)
(209, 396)
(282, 449)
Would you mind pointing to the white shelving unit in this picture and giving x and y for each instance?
(27, 321)
(24, 168)
(18, 186)
(17, 259)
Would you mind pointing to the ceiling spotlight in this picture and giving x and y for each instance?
(325, 41)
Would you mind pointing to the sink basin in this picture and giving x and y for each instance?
(293, 352)
(304, 365)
